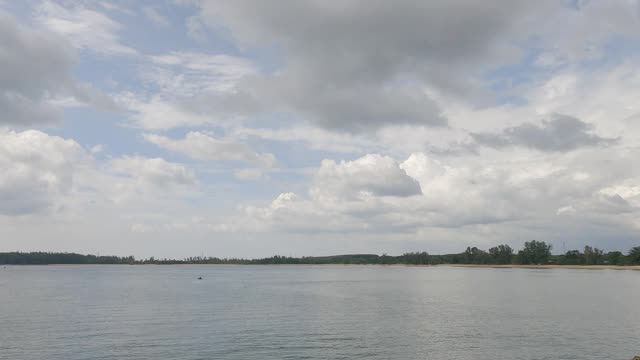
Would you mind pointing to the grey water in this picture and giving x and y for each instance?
(317, 312)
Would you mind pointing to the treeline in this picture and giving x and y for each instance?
(539, 253)
(533, 252)
(45, 258)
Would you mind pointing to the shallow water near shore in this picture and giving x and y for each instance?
(317, 312)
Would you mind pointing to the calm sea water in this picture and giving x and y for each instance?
(317, 312)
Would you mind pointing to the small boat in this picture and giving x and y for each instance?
(199, 277)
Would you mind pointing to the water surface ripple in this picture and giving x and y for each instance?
(317, 312)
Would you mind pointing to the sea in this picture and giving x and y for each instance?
(317, 312)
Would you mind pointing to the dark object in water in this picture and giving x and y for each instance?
(199, 277)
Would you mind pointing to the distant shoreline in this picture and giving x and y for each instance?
(486, 266)
(516, 266)
(501, 256)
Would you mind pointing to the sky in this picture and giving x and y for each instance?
(175, 128)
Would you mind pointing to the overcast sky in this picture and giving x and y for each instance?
(251, 128)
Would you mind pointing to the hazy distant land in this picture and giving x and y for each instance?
(535, 254)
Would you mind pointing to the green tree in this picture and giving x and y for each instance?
(473, 255)
(572, 257)
(416, 258)
(634, 255)
(501, 254)
(593, 256)
(615, 258)
(468, 256)
(386, 259)
(535, 252)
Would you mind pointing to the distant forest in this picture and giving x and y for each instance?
(534, 252)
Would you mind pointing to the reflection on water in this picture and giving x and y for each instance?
(317, 312)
